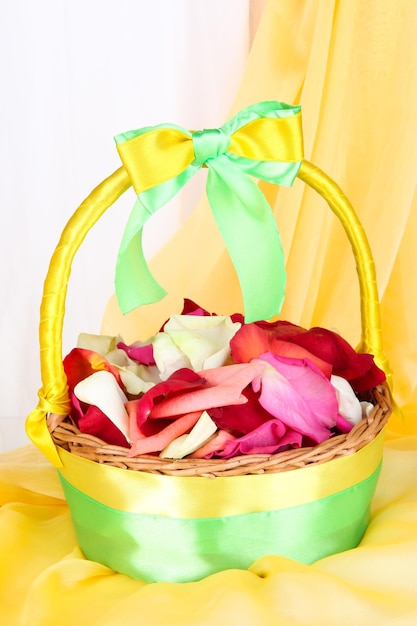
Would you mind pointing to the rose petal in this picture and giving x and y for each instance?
(238, 374)
(366, 408)
(191, 308)
(97, 343)
(101, 390)
(80, 363)
(214, 445)
(266, 439)
(371, 378)
(349, 405)
(184, 380)
(253, 340)
(134, 384)
(184, 445)
(169, 357)
(343, 425)
(223, 386)
(136, 377)
(198, 400)
(243, 418)
(94, 422)
(359, 369)
(281, 328)
(198, 342)
(77, 408)
(299, 394)
(158, 442)
(139, 351)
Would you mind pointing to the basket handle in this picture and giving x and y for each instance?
(53, 396)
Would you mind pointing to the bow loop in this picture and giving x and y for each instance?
(209, 143)
(263, 141)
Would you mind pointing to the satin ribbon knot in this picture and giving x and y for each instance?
(209, 143)
(263, 141)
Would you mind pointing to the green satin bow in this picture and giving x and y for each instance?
(263, 141)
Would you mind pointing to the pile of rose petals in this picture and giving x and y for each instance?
(208, 385)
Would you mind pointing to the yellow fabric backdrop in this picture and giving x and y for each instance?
(352, 65)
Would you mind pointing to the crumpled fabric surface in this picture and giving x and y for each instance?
(45, 580)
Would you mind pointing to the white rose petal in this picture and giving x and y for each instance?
(198, 342)
(102, 344)
(180, 447)
(168, 356)
(349, 405)
(101, 390)
(366, 408)
(119, 358)
(136, 379)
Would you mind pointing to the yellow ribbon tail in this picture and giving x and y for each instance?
(38, 433)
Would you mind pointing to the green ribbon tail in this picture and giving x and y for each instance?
(134, 283)
(250, 233)
(131, 267)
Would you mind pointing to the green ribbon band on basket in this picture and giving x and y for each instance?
(263, 141)
(161, 548)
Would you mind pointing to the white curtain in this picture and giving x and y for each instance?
(74, 73)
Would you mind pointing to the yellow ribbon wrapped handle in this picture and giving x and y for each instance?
(54, 395)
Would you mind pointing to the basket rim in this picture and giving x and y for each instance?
(66, 435)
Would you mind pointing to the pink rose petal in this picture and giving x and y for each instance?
(198, 400)
(142, 353)
(224, 386)
(266, 439)
(343, 425)
(299, 394)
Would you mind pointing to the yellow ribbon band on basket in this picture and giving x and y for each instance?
(199, 497)
(180, 529)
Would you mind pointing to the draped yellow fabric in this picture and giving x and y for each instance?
(352, 65)
(45, 580)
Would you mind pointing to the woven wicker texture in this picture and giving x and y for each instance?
(67, 435)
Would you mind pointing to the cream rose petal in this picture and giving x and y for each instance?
(102, 344)
(168, 356)
(201, 341)
(349, 405)
(366, 408)
(133, 383)
(101, 390)
(200, 434)
(137, 378)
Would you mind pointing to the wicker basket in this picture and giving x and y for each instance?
(77, 455)
(66, 435)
